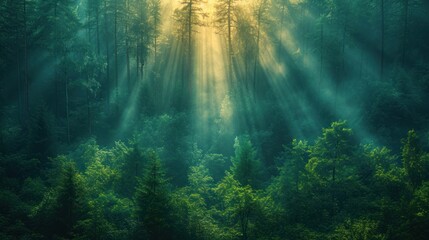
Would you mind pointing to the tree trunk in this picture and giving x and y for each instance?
(97, 23)
(257, 48)
(18, 41)
(116, 59)
(382, 42)
(127, 48)
(405, 33)
(321, 54)
(67, 102)
(88, 102)
(27, 90)
(106, 32)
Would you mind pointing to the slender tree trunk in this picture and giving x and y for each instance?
(257, 48)
(343, 47)
(281, 24)
(67, 102)
(137, 60)
(18, 41)
(382, 42)
(127, 48)
(156, 31)
(56, 67)
(27, 90)
(88, 102)
(230, 53)
(142, 21)
(343, 60)
(116, 59)
(405, 33)
(229, 29)
(189, 62)
(106, 32)
(88, 27)
(97, 26)
(321, 53)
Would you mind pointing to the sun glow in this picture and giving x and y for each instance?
(222, 86)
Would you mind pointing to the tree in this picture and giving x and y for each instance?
(131, 170)
(63, 207)
(331, 152)
(153, 201)
(41, 142)
(247, 169)
(382, 39)
(155, 21)
(226, 19)
(59, 40)
(294, 159)
(70, 202)
(238, 205)
(188, 17)
(412, 158)
(260, 13)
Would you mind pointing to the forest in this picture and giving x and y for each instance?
(214, 119)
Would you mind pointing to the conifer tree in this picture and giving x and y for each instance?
(153, 201)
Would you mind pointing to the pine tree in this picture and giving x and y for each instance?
(153, 201)
(69, 206)
(412, 158)
(246, 167)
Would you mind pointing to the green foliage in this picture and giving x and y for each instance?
(61, 209)
(412, 158)
(246, 167)
(294, 159)
(153, 201)
(360, 229)
(332, 152)
(42, 139)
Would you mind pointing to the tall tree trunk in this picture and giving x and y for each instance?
(56, 68)
(257, 48)
(88, 19)
(382, 42)
(106, 32)
(229, 29)
(189, 62)
(88, 102)
(67, 101)
(230, 53)
(405, 33)
(27, 90)
(18, 41)
(321, 53)
(97, 26)
(116, 59)
(137, 61)
(127, 48)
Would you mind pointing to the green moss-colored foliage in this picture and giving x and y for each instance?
(371, 197)
(246, 167)
(153, 203)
